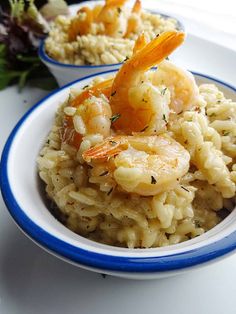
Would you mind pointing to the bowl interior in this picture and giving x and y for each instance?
(21, 188)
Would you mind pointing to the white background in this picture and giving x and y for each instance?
(211, 19)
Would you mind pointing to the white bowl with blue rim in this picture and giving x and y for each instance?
(66, 73)
(24, 198)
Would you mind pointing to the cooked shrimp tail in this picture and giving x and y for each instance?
(81, 27)
(146, 165)
(132, 22)
(157, 50)
(109, 148)
(114, 3)
(140, 43)
(137, 6)
(103, 87)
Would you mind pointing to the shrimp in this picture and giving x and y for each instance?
(103, 87)
(93, 117)
(132, 97)
(93, 114)
(113, 18)
(146, 165)
(140, 43)
(133, 19)
(181, 83)
(81, 24)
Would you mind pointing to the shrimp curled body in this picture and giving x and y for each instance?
(130, 81)
(146, 165)
(181, 83)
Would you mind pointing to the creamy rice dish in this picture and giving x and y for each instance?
(103, 35)
(144, 158)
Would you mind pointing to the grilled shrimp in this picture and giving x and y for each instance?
(181, 83)
(133, 97)
(145, 165)
(113, 18)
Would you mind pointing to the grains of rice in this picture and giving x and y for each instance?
(97, 208)
(96, 48)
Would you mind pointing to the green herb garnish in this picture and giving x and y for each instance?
(86, 86)
(113, 143)
(103, 173)
(212, 115)
(145, 128)
(164, 118)
(197, 224)
(225, 133)
(109, 192)
(164, 91)
(184, 188)
(115, 117)
(153, 180)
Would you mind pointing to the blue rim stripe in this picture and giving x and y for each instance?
(97, 260)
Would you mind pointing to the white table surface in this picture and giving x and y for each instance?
(33, 282)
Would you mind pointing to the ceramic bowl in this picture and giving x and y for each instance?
(24, 198)
(66, 73)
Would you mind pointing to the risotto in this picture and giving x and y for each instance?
(103, 35)
(145, 158)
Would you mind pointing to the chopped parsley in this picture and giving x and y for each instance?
(212, 115)
(113, 143)
(85, 86)
(184, 188)
(109, 192)
(115, 117)
(164, 91)
(69, 99)
(164, 118)
(145, 128)
(153, 180)
(103, 173)
(225, 133)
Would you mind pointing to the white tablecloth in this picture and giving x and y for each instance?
(210, 19)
